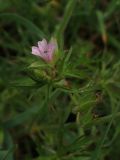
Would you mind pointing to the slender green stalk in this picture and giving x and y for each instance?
(65, 20)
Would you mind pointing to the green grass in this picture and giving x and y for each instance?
(71, 110)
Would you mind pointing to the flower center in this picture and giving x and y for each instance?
(45, 52)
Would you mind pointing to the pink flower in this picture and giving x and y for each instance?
(45, 50)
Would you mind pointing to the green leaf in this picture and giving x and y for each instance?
(23, 82)
(102, 27)
(66, 18)
(23, 117)
(30, 113)
(19, 19)
(8, 143)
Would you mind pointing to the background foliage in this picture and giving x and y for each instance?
(76, 116)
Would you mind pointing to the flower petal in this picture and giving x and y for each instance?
(42, 45)
(53, 42)
(46, 58)
(51, 49)
(35, 51)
